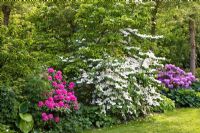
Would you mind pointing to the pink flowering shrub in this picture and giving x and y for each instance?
(60, 98)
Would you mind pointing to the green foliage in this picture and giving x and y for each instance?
(34, 89)
(25, 121)
(23, 108)
(5, 129)
(197, 72)
(85, 118)
(8, 105)
(96, 118)
(185, 97)
(196, 86)
(166, 104)
(70, 26)
(41, 32)
(15, 59)
(172, 22)
(26, 117)
(26, 126)
(72, 124)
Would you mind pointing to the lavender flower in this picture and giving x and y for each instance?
(174, 77)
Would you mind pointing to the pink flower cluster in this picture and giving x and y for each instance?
(61, 97)
(47, 117)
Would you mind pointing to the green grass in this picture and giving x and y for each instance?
(178, 121)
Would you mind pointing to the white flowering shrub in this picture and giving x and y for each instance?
(123, 86)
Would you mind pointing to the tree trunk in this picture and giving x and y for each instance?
(192, 33)
(6, 13)
(154, 17)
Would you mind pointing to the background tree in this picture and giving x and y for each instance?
(192, 32)
(154, 16)
(6, 8)
(172, 22)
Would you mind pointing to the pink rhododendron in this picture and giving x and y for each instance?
(71, 85)
(43, 114)
(59, 73)
(73, 98)
(49, 78)
(54, 84)
(49, 104)
(69, 94)
(45, 117)
(40, 104)
(64, 92)
(58, 76)
(50, 98)
(64, 82)
(57, 119)
(61, 104)
(60, 97)
(60, 86)
(50, 116)
(67, 98)
(58, 91)
(50, 70)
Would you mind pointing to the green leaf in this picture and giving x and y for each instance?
(25, 127)
(26, 117)
(23, 108)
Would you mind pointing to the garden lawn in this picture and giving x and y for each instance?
(178, 121)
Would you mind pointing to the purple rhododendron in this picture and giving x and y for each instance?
(174, 77)
(61, 97)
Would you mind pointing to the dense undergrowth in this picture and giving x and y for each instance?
(68, 67)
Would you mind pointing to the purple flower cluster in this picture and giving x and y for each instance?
(61, 97)
(174, 77)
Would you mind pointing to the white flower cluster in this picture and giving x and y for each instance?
(128, 31)
(113, 90)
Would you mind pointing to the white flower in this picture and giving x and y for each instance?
(111, 78)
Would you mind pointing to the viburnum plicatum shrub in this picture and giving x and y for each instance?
(61, 98)
(124, 86)
(174, 77)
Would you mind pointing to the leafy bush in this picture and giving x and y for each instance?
(16, 61)
(85, 118)
(197, 72)
(125, 87)
(174, 77)
(196, 86)
(5, 129)
(185, 97)
(97, 119)
(33, 90)
(8, 106)
(166, 104)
